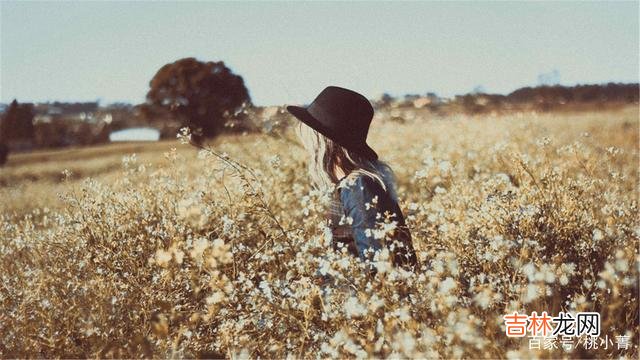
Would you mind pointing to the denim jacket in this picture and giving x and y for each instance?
(357, 210)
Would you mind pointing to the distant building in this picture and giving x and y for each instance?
(135, 134)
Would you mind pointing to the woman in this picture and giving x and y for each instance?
(333, 129)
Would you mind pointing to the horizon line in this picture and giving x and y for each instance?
(99, 100)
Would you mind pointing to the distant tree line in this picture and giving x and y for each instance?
(548, 98)
(209, 98)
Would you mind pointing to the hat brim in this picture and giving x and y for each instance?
(303, 115)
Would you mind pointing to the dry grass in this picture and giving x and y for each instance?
(191, 253)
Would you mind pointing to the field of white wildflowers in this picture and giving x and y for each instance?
(212, 253)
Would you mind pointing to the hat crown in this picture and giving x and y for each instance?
(342, 115)
(344, 110)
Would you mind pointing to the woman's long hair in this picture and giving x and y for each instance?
(327, 155)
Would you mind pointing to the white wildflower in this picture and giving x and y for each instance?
(353, 308)
(447, 285)
(597, 235)
(532, 293)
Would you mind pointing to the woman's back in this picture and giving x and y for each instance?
(357, 216)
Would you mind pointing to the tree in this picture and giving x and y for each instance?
(200, 94)
(4, 153)
(17, 122)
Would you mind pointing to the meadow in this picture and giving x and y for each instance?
(166, 250)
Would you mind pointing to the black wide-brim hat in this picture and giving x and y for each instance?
(342, 115)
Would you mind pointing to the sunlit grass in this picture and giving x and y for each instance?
(193, 253)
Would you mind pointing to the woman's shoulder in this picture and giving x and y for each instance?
(365, 193)
(360, 185)
(355, 180)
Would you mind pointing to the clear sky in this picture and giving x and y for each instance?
(288, 51)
